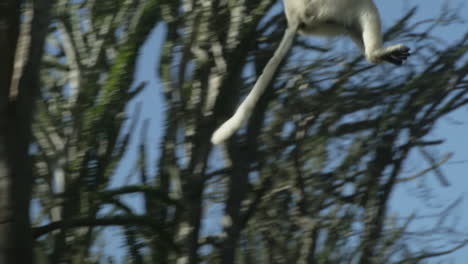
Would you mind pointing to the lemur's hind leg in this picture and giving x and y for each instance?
(372, 40)
(395, 54)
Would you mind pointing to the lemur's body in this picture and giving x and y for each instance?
(358, 19)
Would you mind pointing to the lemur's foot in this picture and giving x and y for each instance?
(396, 54)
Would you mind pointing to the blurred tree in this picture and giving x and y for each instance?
(307, 181)
(87, 81)
(310, 177)
(22, 35)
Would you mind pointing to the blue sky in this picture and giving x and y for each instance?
(408, 197)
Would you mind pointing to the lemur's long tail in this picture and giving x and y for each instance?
(243, 112)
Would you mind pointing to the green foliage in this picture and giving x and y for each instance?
(308, 180)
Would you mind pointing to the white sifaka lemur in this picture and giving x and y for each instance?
(358, 19)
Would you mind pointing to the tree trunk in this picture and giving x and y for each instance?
(22, 46)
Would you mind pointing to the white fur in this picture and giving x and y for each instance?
(244, 111)
(358, 19)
